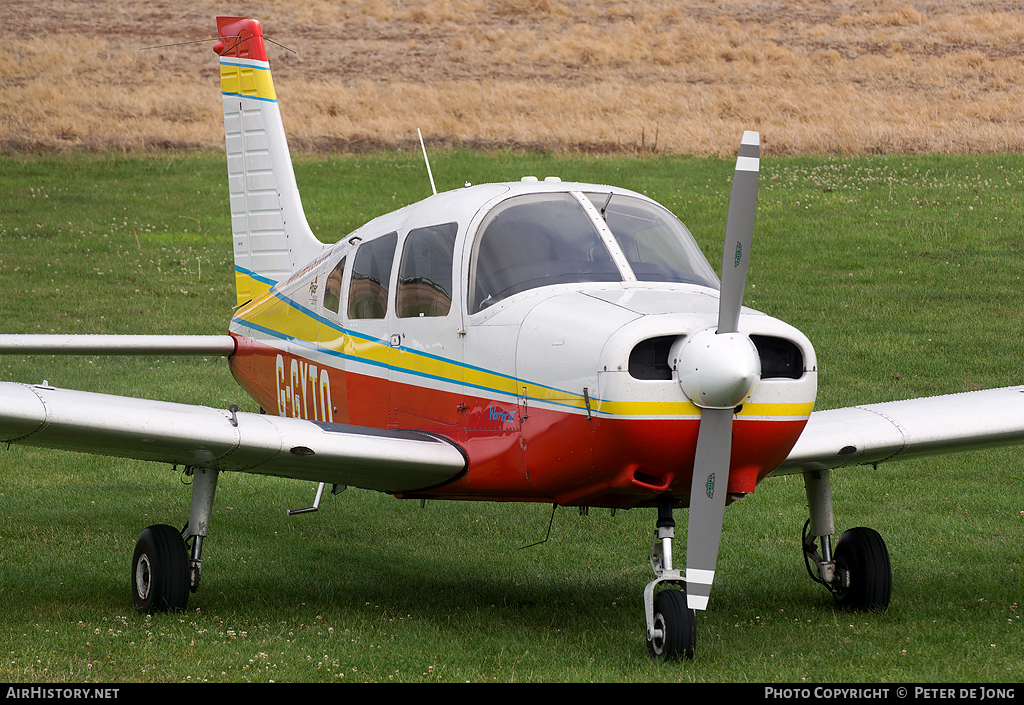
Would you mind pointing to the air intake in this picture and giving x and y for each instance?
(780, 358)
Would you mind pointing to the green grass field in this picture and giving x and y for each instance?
(905, 272)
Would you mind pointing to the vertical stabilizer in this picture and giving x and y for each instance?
(271, 236)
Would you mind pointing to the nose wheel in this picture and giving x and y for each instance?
(675, 627)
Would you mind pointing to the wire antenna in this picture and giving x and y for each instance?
(280, 45)
(181, 44)
(214, 39)
(429, 173)
(545, 539)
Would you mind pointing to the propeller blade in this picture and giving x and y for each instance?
(739, 232)
(710, 482)
(707, 503)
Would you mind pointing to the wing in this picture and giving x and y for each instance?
(384, 460)
(877, 433)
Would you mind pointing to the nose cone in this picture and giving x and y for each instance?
(716, 371)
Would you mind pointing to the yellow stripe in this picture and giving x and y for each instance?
(647, 408)
(750, 409)
(247, 288)
(406, 360)
(794, 409)
(273, 314)
(248, 81)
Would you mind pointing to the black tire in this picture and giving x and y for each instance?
(862, 551)
(678, 625)
(160, 571)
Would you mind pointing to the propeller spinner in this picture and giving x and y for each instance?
(717, 370)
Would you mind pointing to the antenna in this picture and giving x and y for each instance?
(429, 173)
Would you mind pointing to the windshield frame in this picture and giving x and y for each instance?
(666, 227)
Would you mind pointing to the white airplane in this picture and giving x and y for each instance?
(537, 341)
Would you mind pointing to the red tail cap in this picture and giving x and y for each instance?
(240, 37)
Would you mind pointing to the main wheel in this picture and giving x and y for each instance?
(160, 570)
(862, 551)
(676, 625)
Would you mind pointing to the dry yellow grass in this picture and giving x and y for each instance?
(678, 76)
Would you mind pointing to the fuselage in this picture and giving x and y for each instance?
(531, 324)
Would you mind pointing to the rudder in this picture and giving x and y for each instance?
(271, 236)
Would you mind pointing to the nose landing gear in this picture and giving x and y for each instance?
(671, 625)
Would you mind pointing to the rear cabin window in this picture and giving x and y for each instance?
(371, 275)
(425, 273)
(332, 291)
(532, 241)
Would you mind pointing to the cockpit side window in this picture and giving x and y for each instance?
(332, 291)
(425, 273)
(536, 240)
(371, 276)
(657, 246)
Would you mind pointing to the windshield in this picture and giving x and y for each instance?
(536, 240)
(657, 246)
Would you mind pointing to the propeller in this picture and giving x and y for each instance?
(717, 370)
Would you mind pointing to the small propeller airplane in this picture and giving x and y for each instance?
(536, 341)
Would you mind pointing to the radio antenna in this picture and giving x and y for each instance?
(429, 173)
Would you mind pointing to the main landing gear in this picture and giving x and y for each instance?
(858, 572)
(164, 568)
(671, 625)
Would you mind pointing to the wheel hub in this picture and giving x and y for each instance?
(658, 634)
(143, 576)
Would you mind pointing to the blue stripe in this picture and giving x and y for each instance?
(243, 95)
(239, 63)
(254, 275)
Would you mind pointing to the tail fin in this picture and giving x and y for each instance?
(271, 236)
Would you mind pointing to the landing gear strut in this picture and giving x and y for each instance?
(858, 572)
(164, 568)
(671, 625)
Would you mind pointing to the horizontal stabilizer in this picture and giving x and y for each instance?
(117, 345)
(384, 460)
(876, 433)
